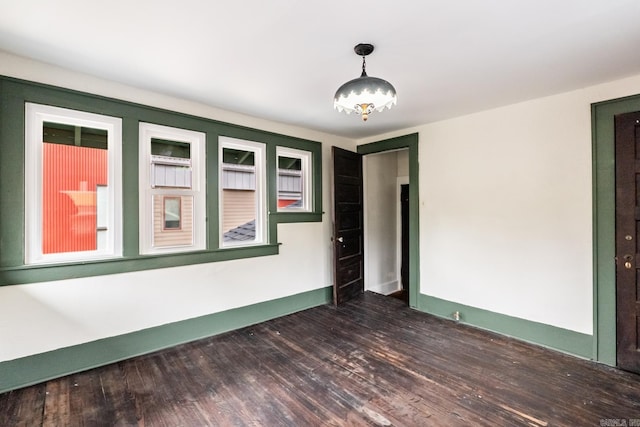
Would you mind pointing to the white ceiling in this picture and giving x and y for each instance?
(283, 60)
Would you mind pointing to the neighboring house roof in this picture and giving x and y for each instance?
(296, 204)
(247, 231)
(243, 232)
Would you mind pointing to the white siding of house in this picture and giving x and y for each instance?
(238, 177)
(171, 238)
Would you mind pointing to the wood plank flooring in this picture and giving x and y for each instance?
(371, 362)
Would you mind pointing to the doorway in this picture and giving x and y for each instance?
(381, 251)
(385, 176)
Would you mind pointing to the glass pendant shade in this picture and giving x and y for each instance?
(364, 94)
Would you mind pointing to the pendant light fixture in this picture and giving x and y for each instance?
(364, 94)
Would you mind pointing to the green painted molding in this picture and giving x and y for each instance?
(409, 142)
(560, 339)
(57, 363)
(316, 176)
(13, 95)
(397, 143)
(283, 217)
(53, 272)
(604, 273)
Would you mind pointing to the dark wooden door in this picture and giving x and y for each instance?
(627, 240)
(348, 240)
(404, 236)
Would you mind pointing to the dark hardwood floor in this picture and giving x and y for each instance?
(372, 361)
(402, 295)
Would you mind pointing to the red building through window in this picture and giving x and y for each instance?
(71, 176)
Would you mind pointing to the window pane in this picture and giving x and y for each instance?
(238, 195)
(172, 213)
(243, 205)
(73, 191)
(238, 157)
(289, 182)
(294, 180)
(289, 163)
(59, 133)
(163, 147)
(172, 189)
(74, 166)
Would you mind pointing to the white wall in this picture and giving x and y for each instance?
(506, 207)
(35, 318)
(403, 163)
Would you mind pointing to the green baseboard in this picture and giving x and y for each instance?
(560, 339)
(41, 367)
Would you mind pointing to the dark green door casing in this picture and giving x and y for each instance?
(409, 142)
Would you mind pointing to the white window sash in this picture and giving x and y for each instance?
(260, 160)
(307, 184)
(111, 240)
(196, 190)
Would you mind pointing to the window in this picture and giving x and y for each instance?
(81, 195)
(172, 213)
(73, 194)
(243, 205)
(294, 180)
(172, 189)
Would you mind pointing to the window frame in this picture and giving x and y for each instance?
(15, 93)
(307, 178)
(36, 115)
(146, 193)
(259, 150)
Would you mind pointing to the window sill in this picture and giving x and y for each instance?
(284, 217)
(51, 272)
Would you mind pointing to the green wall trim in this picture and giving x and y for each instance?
(604, 220)
(57, 363)
(52, 272)
(13, 95)
(575, 343)
(284, 217)
(409, 142)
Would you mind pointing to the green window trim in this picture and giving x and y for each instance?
(14, 93)
(315, 215)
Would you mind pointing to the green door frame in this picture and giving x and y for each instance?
(604, 203)
(409, 142)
